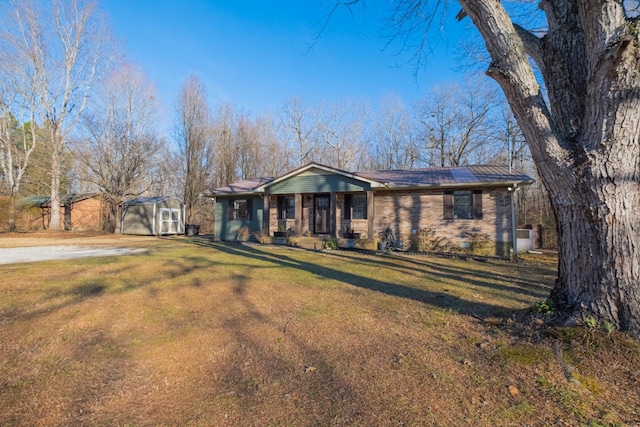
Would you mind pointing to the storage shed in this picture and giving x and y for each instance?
(152, 216)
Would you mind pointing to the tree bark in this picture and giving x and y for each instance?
(12, 214)
(56, 170)
(584, 140)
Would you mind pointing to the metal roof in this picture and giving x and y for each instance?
(450, 176)
(454, 176)
(147, 200)
(44, 201)
(242, 187)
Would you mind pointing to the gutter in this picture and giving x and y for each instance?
(493, 184)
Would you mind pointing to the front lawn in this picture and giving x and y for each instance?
(209, 334)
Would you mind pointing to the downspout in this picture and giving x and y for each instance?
(512, 193)
(153, 221)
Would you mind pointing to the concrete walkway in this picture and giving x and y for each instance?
(59, 252)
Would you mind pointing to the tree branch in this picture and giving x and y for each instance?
(532, 44)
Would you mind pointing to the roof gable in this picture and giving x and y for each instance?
(319, 169)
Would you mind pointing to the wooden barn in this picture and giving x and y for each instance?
(79, 212)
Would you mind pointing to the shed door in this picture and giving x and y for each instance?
(169, 221)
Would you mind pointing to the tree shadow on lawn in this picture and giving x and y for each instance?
(274, 376)
(522, 283)
(444, 300)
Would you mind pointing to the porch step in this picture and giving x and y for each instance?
(310, 242)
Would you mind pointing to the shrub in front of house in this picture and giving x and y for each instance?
(480, 244)
(427, 240)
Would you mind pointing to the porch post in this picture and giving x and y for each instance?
(298, 203)
(370, 215)
(333, 204)
(266, 214)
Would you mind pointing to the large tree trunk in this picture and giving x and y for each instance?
(117, 210)
(599, 243)
(584, 139)
(12, 214)
(56, 166)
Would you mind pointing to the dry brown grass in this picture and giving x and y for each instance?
(200, 333)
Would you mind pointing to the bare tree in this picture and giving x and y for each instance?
(17, 133)
(226, 150)
(276, 158)
(249, 146)
(457, 122)
(193, 135)
(62, 47)
(582, 132)
(340, 127)
(300, 131)
(16, 146)
(120, 147)
(438, 119)
(394, 136)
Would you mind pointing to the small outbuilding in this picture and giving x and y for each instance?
(79, 212)
(152, 216)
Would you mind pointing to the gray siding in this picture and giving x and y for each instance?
(313, 182)
(139, 218)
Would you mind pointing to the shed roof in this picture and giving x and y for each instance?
(148, 200)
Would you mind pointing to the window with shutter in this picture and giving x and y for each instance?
(477, 204)
(448, 205)
(464, 204)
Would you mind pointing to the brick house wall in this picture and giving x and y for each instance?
(357, 225)
(407, 211)
(290, 224)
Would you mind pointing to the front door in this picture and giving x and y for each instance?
(321, 214)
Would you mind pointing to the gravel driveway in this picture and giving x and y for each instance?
(49, 253)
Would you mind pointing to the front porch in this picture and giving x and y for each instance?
(319, 214)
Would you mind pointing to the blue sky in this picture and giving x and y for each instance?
(256, 54)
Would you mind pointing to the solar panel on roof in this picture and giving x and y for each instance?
(463, 175)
